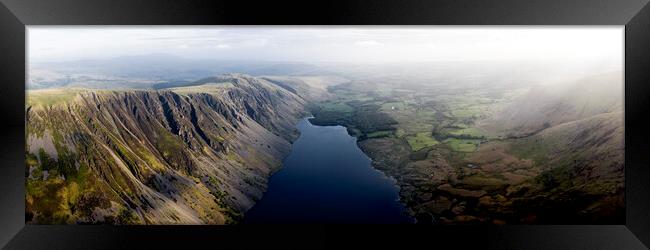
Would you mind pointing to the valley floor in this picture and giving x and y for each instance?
(453, 168)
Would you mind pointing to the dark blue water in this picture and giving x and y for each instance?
(328, 179)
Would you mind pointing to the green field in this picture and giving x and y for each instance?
(462, 145)
(394, 106)
(421, 140)
(467, 131)
(336, 107)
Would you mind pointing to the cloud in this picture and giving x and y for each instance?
(329, 44)
(367, 43)
(255, 43)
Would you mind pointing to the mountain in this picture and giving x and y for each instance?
(155, 71)
(569, 142)
(200, 154)
(545, 106)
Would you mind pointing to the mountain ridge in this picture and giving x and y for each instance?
(178, 156)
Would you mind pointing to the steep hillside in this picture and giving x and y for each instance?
(562, 158)
(572, 172)
(549, 105)
(313, 88)
(189, 155)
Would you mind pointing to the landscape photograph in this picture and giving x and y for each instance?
(238, 125)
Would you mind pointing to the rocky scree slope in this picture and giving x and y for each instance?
(190, 155)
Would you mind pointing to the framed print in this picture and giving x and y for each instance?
(466, 124)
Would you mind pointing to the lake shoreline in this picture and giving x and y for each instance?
(373, 165)
(327, 178)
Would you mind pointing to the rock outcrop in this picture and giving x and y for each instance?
(200, 154)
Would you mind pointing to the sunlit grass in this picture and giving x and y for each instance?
(50, 97)
(462, 145)
(421, 140)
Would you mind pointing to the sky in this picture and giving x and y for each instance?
(603, 44)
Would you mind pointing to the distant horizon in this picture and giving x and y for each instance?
(140, 56)
(161, 54)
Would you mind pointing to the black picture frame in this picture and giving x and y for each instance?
(633, 14)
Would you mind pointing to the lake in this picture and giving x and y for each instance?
(328, 179)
